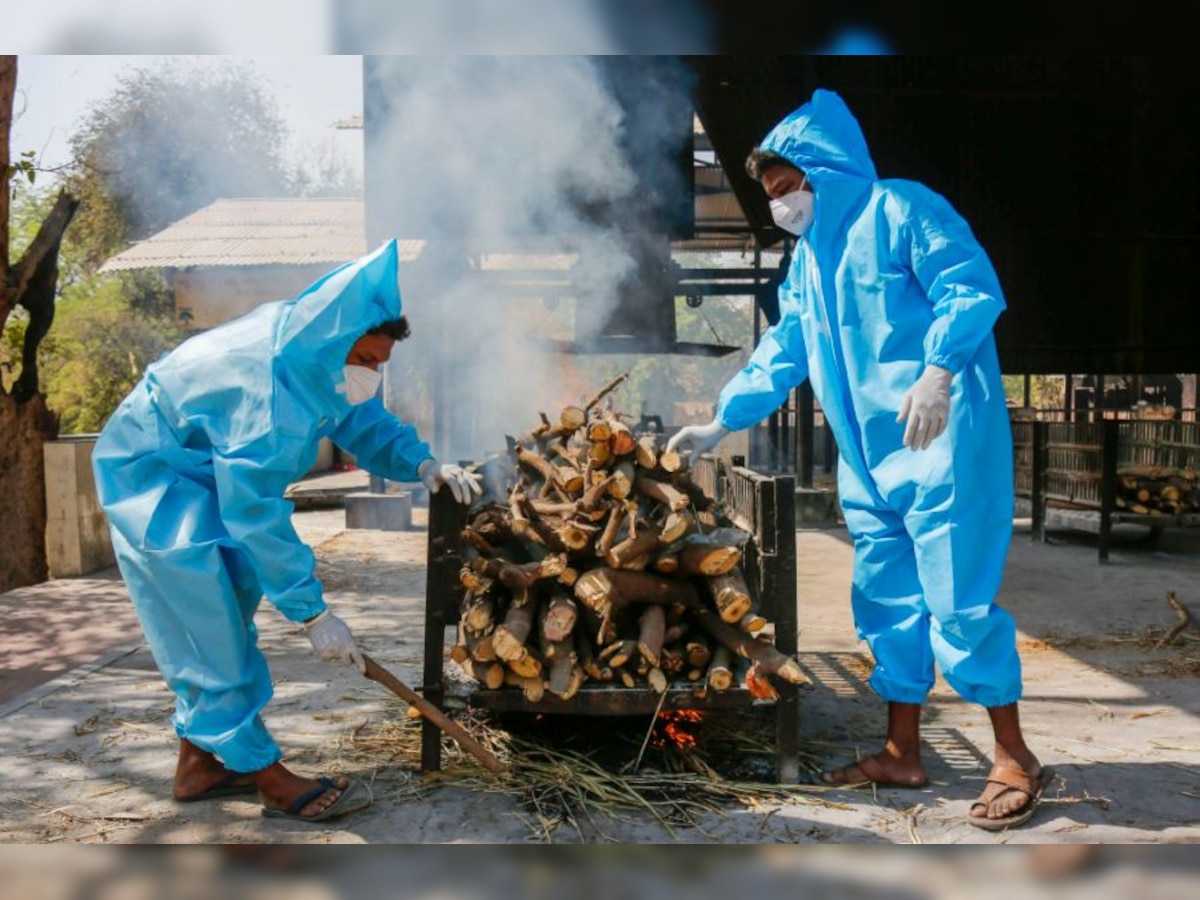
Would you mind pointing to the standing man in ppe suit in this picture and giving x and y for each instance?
(191, 470)
(888, 308)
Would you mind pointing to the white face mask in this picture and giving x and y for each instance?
(793, 212)
(361, 384)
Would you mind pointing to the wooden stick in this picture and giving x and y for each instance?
(605, 391)
(377, 673)
(1185, 619)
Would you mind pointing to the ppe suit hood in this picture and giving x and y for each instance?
(824, 139)
(321, 325)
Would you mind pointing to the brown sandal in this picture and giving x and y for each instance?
(873, 770)
(1014, 779)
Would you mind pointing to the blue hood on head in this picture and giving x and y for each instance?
(824, 139)
(320, 326)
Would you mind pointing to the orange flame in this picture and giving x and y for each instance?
(676, 726)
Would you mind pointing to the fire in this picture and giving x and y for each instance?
(675, 729)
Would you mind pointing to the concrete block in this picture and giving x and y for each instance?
(382, 512)
(816, 506)
(77, 539)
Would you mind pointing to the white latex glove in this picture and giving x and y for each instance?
(926, 406)
(462, 483)
(698, 438)
(334, 642)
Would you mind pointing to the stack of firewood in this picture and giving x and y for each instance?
(1150, 490)
(598, 559)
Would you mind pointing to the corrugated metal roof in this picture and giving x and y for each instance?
(259, 232)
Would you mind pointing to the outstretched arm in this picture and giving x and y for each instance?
(381, 443)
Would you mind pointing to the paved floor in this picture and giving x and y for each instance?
(1115, 715)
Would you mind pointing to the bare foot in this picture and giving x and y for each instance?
(281, 788)
(887, 768)
(198, 772)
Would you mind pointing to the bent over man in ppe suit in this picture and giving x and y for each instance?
(191, 470)
(888, 308)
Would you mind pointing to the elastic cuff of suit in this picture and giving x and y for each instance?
(894, 693)
(948, 363)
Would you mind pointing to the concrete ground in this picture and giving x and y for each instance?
(89, 754)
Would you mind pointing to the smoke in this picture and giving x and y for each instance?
(496, 161)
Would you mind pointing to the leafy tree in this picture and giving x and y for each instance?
(169, 140)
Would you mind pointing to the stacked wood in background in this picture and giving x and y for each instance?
(1150, 490)
(591, 562)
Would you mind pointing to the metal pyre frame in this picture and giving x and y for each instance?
(764, 506)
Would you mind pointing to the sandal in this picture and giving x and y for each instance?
(872, 769)
(1014, 779)
(355, 796)
(226, 787)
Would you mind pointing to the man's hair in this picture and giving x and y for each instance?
(396, 329)
(759, 161)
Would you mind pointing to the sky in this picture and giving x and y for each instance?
(313, 92)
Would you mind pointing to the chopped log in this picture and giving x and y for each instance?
(694, 674)
(479, 542)
(575, 536)
(670, 461)
(568, 576)
(489, 674)
(605, 590)
(480, 646)
(700, 556)
(657, 681)
(672, 662)
(520, 521)
(619, 653)
(578, 677)
(615, 517)
(772, 662)
(477, 613)
(698, 653)
(520, 577)
(494, 525)
(533, 687)
(759, 685)
(562, 666)
(662, 492)
(731, 595)
(587, 656)
(623, 478)
(538, 464)
(599, 430)
(624, 554)
(605, 391)
(509, 638)
(552, 508)
(626, 677)
(675, 528)
(569, 480)
(1184, 616)
(647, 451)
(527, 665)
(652, 624)
(720, 671)
(622, 440)
(752, 623)
(666, 563)
(600, 453)
(572, 417)
(595, 495)
(559, 617)
(459, 652)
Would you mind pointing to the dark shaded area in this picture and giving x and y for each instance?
(1076, 173)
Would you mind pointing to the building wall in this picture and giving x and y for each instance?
(208, 297)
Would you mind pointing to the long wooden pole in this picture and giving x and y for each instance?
(378, 673)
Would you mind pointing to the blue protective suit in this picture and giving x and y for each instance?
(191, 470)
(889, 279)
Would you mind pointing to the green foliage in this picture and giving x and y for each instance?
(1045, 391)
(169, 140)
(97, 351)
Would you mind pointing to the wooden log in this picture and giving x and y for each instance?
(759, 685)
(521, 577)
(652, 628)
(615, 517)
(482, 647)
(621, 440)
(562, 667)
(578, 677)
(619, 653)
(666, 563)
(656, 680)
(646, 452)
(605, 391)
(493, 524)
(479, 542)
(675, 527)
(605, 590)
(600, 452)
(731, 595)
(594, 497)
(670, 461)
(772, 662)
(572, 417)
(568, 576)
(623, 479)
(698, 653)
(675, 633)
(599, 430)
(624, 554)
(532, 686)
(509, 639)
(587, 656)
(477, 613)
(489, 674)
(720, 670)
(699, 556)
(672, 662)
(559, 617)
(661, 492)
(752, 623)
(626, 677)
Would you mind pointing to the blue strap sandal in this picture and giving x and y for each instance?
(355, 796)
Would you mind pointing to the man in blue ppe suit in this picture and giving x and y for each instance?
(191, 470)
(888, 308)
